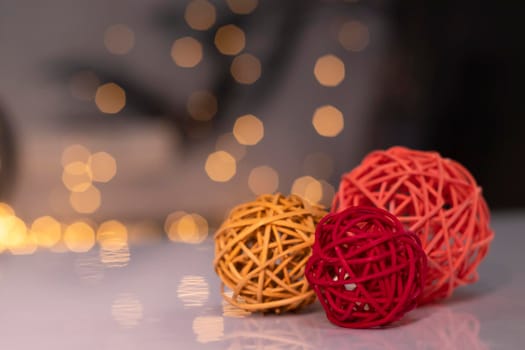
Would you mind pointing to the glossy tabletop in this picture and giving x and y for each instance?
(167, 297)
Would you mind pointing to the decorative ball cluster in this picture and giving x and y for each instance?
(365, 268)
(434, 197)
(261, 252)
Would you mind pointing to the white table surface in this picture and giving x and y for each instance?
(168, 297)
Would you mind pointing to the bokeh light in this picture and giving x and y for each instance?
(127, 310)
(46, 231)
(202, 105)
(248, 130)
(193, 291)
(230, 39)
(246, 68)
(319, 165)
(86, 202)
(110, 98)
(308, 188)
(119, 39)
(329, 70)
(328, 121)
(208, 328)
(186, 52)
(76, 176)
(220, 166)
(102, 166)
(354, 36)
(13, 231)
(6, 210)
(83, 85)
(73, 153)
(242, 7)
(189, 228)
(263, 179)
(115, 257)
(200, 14)
(112, 235)
(227, 142)
(79, 237)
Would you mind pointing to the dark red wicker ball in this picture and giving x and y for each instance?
(365, 268)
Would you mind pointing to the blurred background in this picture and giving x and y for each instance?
(135, 121)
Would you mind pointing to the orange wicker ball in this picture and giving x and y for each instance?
(435, 197)
(261, 252)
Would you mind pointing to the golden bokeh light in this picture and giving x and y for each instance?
(110, 98)
(242, 7)
(83, 85)
(208, 328)
(74, 153)
(171, 221)
(230, 39)
(193, 291)
(263, 179)
(89, 268)
(246, 68)
(127, 310)
(200, 14)
(119, 39)
(85, 202)
(308, 188)
(319, 165)
(186, 52)
(354, 36)
(329, 70)
(112, 235)
(328, 121)
(26, 246)
(115, 257)
(76, 176)
(227, 142)
(79, 237)
(46, 231)
(248, 130)
(6, 210)
(189, 228)
(13, 231)
(202, 105)
(103, 166)
(220, 166)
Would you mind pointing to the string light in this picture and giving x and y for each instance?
(329, 70)
(246, 68)
(328, 121)
(230, 39)
(202, 105)
(79, 237)
(186, 52)
(220, 166)
(119, 39)
(242, 7)
(354, 36)
(263, 179)
(308, 188)
(110, 98)
(200, 14)
(86, 202)
(248, 130)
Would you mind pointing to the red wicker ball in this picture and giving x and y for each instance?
(434, 197)
(365, 268)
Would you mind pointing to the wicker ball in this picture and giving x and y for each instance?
(434, 197)
(261, 252)
(365, 268)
